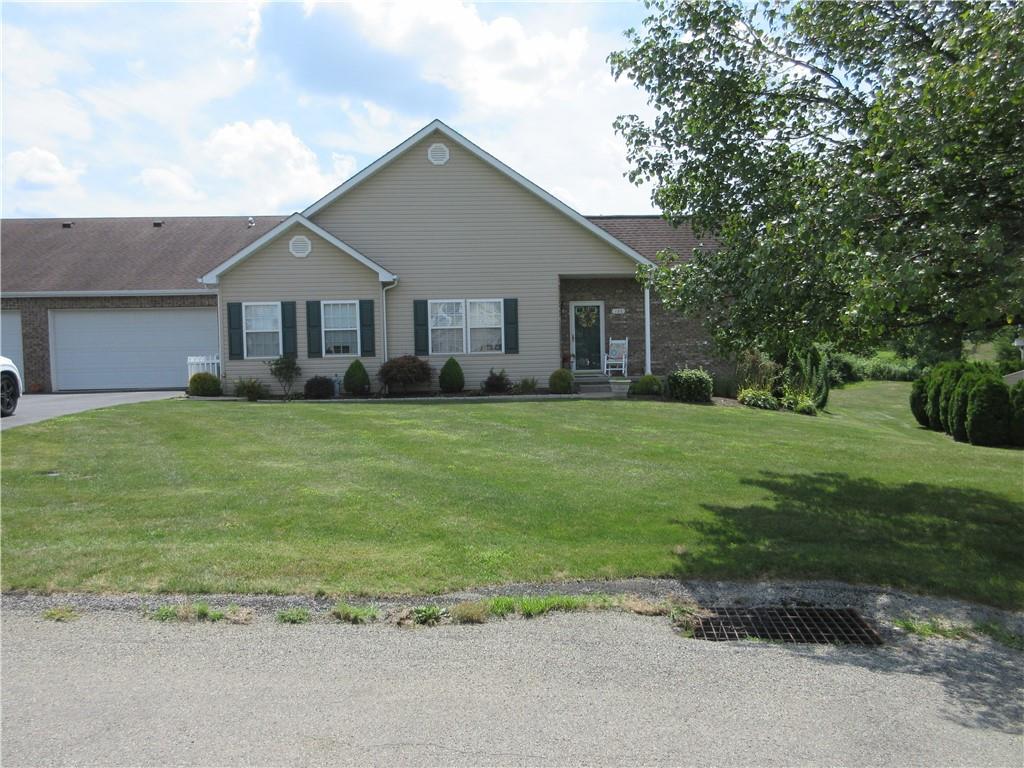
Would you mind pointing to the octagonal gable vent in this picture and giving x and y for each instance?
(438, 153)
(300, 247)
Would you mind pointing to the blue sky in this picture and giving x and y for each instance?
(251, 108)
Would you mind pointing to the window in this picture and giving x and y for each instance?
(486, 325)
(262, 323)
(340, 322)
(447, 327)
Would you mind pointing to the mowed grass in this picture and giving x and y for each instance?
(423, 498)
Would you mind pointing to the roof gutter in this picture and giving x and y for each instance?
(85, 294)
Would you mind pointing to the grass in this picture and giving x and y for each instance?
(928, 628)
(428, 615)
(530, 606)
(293, 616)
(373, 499)
(475, 612)
(355, 614)
(60, 613)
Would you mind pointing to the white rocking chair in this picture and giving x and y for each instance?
(617, 357)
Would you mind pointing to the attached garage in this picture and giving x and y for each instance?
(11, 340)
(128, 348)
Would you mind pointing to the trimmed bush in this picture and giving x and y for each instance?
(497, 383)
(988, 412)
(404, 372)
(357, 380)
(758, 398)
(936, 379)
(956, 414)
(318, 388)
(451, 379)
(646, 385)
(561, 382)
(946, 389)
(204, 385)
(919, 401)
(251, 389)
(1017, 413)
(527, 386)
(690, 385)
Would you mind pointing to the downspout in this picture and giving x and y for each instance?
(647, 327)
(384, 313)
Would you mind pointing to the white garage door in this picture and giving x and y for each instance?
(10, 338)
(128, 348)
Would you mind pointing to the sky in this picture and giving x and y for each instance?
(140, 109)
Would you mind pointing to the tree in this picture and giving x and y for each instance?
(858, 168)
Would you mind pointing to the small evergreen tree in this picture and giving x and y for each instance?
(451, 379)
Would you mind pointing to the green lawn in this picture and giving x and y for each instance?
(398, 498)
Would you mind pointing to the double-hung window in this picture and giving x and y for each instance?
(340, 324)
(458, 326)
(447, 327)
(486, 325)
(262, 323)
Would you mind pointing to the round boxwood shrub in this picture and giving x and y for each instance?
(204, 385)
(318, 388)
(690, 385)
(561, 382)
(919, 401)
(1017, 413)
(646, 385)
(451, 379)
(758, 398)
(988, 412)
(357, 380)
(251, 389)
(956, 418)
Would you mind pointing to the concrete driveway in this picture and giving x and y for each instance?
(118, 689)
(33, 408)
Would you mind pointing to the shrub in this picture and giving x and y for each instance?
(690, 385)
(404, 372)
(755, 370)
(451, 379)
(204, 385)
(919, 401)
(956, 416)
(428, 615)
(251, 389)
(935, 381)
(1017, 413)
(758, 398)
(798, 402)
(988, 412)
(526, 386)
(318, 388)
(497, 383)
(286, 370)
(946, 389)
(357, 380)
(646, 385)
(561, 382)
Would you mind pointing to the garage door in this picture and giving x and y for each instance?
(128, 348)
(10, 338)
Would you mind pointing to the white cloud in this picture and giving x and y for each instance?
(173, 182)
(37, 168)
(370, 129)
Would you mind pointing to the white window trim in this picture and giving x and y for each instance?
(501, 325)
(245, 333)
(431, 329)
(324, 329)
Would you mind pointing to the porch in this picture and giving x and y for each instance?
(596, 309)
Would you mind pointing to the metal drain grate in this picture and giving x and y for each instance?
(796, 624)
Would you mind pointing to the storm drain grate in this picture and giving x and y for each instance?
(798, 624)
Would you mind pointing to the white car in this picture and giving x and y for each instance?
(10, 386)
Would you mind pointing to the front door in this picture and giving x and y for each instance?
(587, 334)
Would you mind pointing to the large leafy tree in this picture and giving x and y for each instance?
(859, 168)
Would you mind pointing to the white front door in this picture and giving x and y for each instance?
(586, 334)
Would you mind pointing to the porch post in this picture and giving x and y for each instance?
(647, 328)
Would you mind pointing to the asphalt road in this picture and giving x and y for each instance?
(601, 689)
(33, 408)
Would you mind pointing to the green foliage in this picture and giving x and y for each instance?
(846, 368)
(526, 386)
(496, 383)
(355, 614)
(165, 613)
(956, 414)
(451, 379)
(919, 401)
(561, 382)
(428, 615)
(356, 381)
(798, 402)
(204, 385)
(205, 613)
(755, 370)
(690, 385)
(318, 388)
(928, 628)
(529, 606)
(1001, 635)
(646, 385)
(859, 164)
(293, 616)
(1007, 355)
(988, 412)
(286, 370)
(758, 398)
(60, 614)
(807, 378)
(251, 389)
(1017, 413)
(404, 372)
(936, 381)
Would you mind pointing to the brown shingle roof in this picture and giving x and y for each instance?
(117, 254)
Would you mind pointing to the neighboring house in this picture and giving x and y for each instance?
(436, 249)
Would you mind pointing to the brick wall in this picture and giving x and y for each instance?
(35, 323)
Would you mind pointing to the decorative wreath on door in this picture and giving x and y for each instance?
(586, 316)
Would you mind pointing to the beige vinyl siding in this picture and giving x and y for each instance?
(465, 230)
(273, 274)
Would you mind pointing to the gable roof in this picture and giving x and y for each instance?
(296, 220)
(650, 234)
(473, 149)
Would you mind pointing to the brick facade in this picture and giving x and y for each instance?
(676, 341)
(35, 323)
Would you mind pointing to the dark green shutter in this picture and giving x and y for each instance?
(289, 345)
(366, 331)
(313, 336)
(421, 333)
(511, 326)
(236, 350)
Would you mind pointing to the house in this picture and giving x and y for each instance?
(436, 249)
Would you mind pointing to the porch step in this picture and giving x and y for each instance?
(592, 381)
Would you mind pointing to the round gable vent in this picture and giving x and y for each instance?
(300, 247)
(438, 154)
